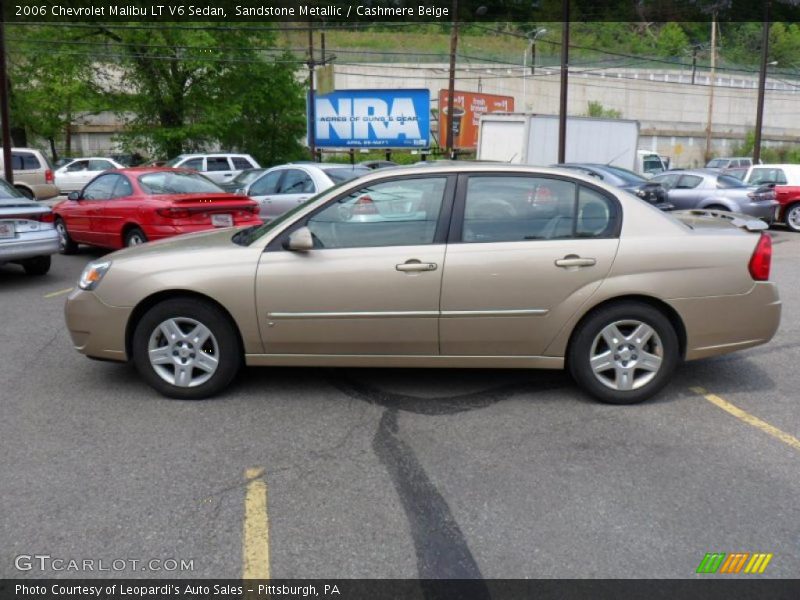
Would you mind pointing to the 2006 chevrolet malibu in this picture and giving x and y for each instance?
(450, 266)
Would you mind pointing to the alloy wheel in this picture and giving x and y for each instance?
(183, 352)
(626, 355)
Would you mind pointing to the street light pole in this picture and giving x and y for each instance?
(762, 83)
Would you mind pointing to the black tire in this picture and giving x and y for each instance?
(223, 339)
(135, 237)
(587, 340)
(791, 217)
(38, 265)
(715, 207)
(65, 245)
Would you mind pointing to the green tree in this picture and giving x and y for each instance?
(50, 85)
(596, 109)
(671, 40)
(193, 87)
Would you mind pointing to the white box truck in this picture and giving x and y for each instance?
(532, 139)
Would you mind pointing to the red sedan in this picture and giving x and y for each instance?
(125, 207)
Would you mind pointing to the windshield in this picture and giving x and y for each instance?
(340, 175)
(247, 176)
(626, 175)
(7, 191)
(177, 182)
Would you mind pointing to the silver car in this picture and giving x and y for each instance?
(284, 187)
(27, 235)
(710, 189)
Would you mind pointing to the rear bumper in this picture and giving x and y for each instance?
(709, 330)
(766, 210)
(40, 243)
(97, 329)
(43, 191)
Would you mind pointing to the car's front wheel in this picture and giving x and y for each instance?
(186, 349)
(792, 217)
(624, 353)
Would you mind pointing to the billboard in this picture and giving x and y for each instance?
(372, 119)
(467, 110)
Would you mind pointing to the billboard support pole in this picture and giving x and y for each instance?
(451, 86)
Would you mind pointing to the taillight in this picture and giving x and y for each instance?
(762, 259)
(174, 213)
(765, 195)
(47, 218)
(48, 176)
(364, 206)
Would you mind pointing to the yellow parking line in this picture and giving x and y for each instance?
(58, 293)
(255, 555)
(742, 415)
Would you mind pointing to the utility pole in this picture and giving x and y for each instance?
(6, 126)
(713, 77)
(451, 86)
(694, 62)
(762, 82)
(562, 109)
(312, 113)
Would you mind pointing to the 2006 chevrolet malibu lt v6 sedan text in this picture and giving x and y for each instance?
(451, 266)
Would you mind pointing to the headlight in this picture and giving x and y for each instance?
(93, 274)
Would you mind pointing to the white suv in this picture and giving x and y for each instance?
(219, 167)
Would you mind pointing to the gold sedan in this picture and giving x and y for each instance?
(449, 266)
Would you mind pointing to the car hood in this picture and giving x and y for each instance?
(202, 240)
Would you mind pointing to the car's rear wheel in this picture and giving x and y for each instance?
(38, 265)
(716, 207)
(65, 243)
(135, 237)
(792, 217)
(624, 353)
(186, 349)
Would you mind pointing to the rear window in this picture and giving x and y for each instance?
(345, 173)
(727, 181)
(240, 162)
(767, 175)
(175, 161)
(246, 177)
(24, 161)
(717, 163)
(176, 182)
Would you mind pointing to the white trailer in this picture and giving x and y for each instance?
(532, 139)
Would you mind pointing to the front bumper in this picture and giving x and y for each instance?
(96, 329)
(708, 321)
(29, 245)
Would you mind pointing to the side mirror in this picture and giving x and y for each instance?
(74, 196)
(300, 240)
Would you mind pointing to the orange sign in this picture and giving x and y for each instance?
(467, 110)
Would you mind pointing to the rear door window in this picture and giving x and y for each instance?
(217, 163)
(689, 182)
(296, 182)
(195, 164)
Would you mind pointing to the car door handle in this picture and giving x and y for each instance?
(573, 260)
(415, 265)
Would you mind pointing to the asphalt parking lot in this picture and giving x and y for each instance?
(390, 473)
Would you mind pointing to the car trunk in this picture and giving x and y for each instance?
(18, 215)
(221, 210)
